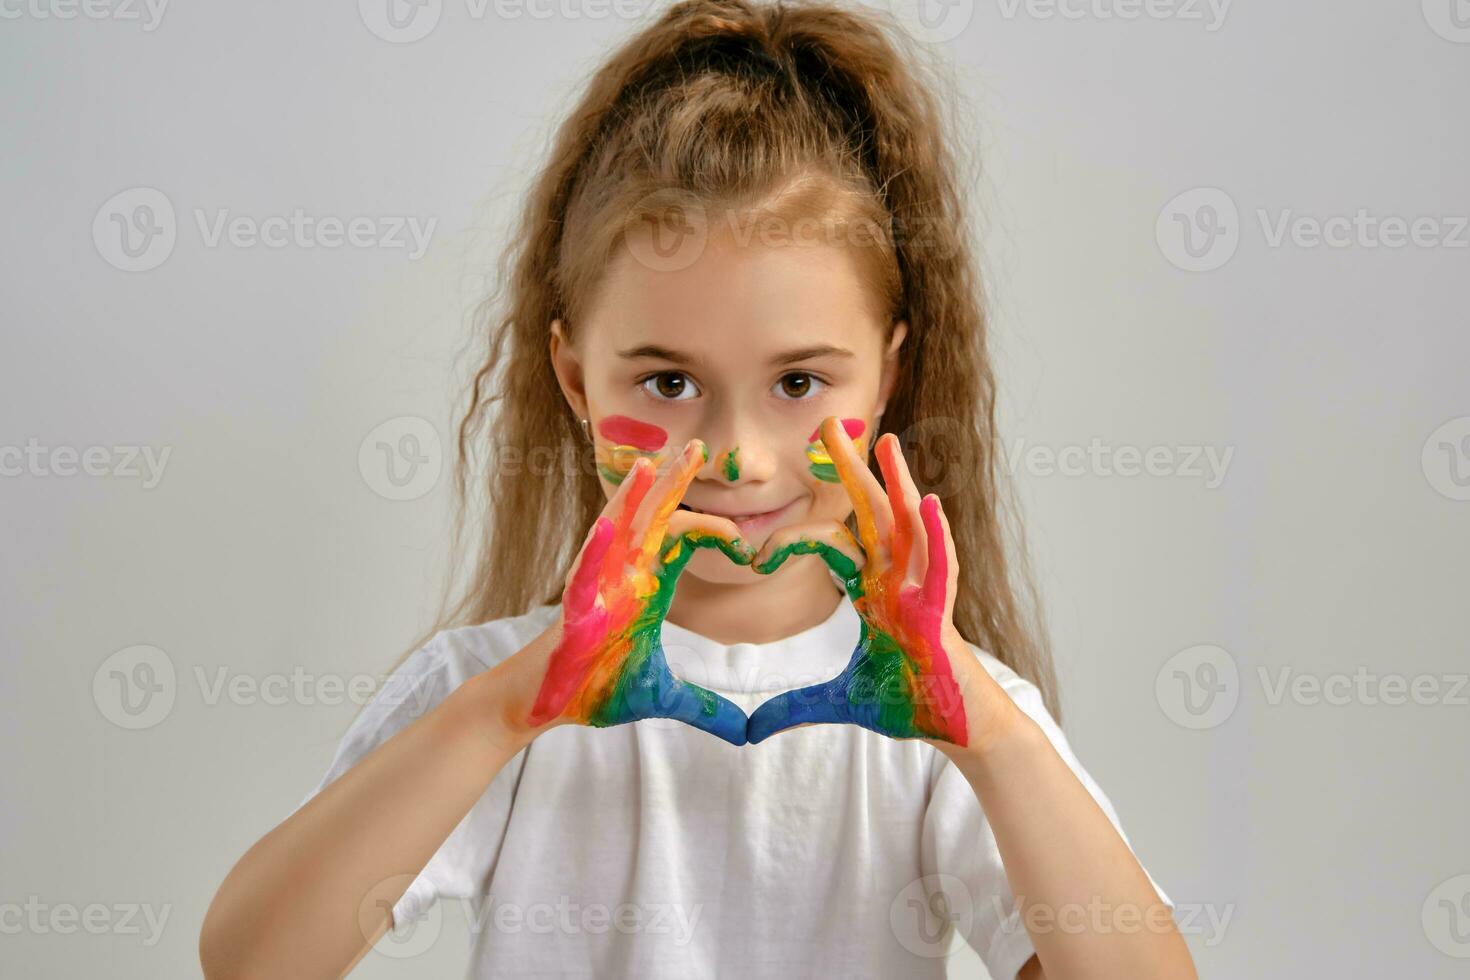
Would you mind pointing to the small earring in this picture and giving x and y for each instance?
(586, 429)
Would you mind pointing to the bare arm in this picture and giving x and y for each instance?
(1087, 904)
(1085, 900)
(310, 897)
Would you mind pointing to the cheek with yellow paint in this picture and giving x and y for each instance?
(625, 440)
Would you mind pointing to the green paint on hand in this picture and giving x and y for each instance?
(837, 560)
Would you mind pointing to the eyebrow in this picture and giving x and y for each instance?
(786, 357)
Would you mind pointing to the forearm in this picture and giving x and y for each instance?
(309, 897)
(1085, 900)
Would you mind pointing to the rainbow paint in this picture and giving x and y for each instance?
(628, 440)
(821, 460)
(899, 681)
(608, 666)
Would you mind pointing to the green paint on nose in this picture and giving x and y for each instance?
(731, 465)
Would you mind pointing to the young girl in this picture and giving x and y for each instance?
(743, 288)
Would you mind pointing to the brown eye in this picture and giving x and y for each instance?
(668, 385)
(797, 385)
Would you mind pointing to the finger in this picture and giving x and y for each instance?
(662, 500)
(581, 590)
(903, 498)
(832, 541)
(868, 500)
(942, 575)
(705, 710)
(623, 505)
(815, 705)
(689, 530)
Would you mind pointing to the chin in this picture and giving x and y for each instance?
(711, 565)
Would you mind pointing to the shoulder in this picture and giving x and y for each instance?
(452, 656)
(484, 645)
(429, 675)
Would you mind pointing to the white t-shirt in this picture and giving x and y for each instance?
(656, 850)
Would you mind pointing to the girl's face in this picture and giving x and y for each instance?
(748, 348)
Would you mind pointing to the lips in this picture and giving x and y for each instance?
(748, 523)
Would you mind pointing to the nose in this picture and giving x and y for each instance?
(739, 452)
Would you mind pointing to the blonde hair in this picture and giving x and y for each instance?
(787, 109)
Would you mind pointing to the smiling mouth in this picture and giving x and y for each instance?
(737, 518)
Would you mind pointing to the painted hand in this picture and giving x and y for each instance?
(907, 676)
(608, 665)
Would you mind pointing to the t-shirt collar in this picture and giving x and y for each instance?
(815, 654)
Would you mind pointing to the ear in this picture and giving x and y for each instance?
(568, 367)
(890, 364)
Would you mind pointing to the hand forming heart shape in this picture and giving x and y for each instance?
(609, 668)
(902, 679)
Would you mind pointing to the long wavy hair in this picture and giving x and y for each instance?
(788, 108)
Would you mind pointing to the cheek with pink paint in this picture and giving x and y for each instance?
(624, 441)
(820, 461)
